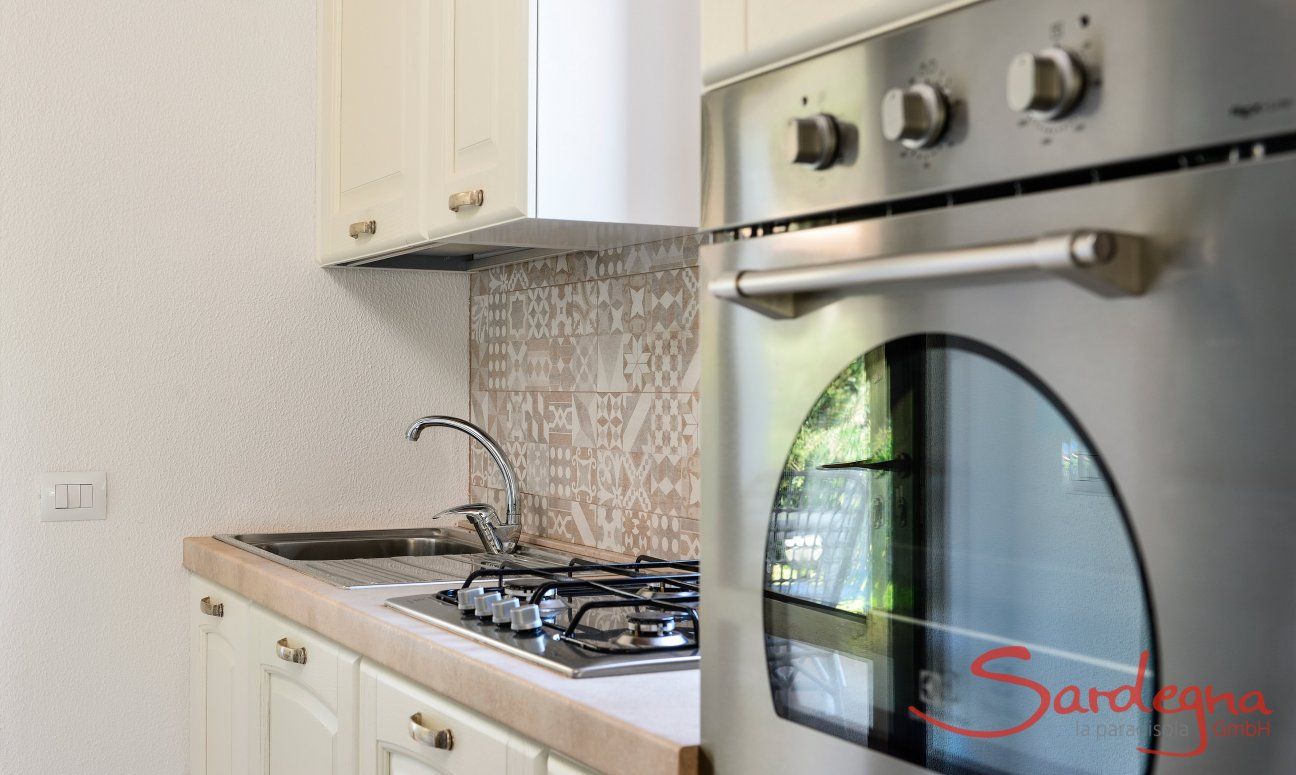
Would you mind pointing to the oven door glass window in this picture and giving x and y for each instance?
(939, 503)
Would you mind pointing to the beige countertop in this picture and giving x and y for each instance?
(633, 725)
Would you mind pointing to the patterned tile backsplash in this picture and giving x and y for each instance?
(585, 368)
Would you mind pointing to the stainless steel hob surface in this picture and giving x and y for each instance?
(581, 619)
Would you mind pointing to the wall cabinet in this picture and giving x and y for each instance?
(270, 696)
(460, 129)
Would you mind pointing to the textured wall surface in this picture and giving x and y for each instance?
(585, 367)
(161, 318)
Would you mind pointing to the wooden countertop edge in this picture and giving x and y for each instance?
(562, 723)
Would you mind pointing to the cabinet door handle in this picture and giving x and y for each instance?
(467, 199)
(211, 609)
(363, 227)
(437, 738)
(289, 654)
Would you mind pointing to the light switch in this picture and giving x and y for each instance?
(73, 495)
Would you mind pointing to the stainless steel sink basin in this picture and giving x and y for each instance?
(365, 548)
(380, 558)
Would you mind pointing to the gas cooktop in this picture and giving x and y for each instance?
(583, 619)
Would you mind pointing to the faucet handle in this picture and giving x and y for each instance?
(472, 512)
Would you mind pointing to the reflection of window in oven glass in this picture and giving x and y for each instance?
(819, 546)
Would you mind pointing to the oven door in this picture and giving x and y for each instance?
(1077, 489)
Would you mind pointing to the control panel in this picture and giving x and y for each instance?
(996, 92)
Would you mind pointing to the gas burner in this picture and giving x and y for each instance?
(650, 628)
(524, 589)
(659, 590)
(583, 619)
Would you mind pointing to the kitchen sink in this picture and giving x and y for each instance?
(383, 558)
(365, 548)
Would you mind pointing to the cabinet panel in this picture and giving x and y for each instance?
(302, 730)
(372, 72)
(305, 719)
(487, 109)
(478, 744)
(561, 765)
(218, 679)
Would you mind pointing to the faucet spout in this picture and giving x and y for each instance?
(510, 529)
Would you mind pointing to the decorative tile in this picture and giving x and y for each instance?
(609, 531)
(571, 309)
(660, 536)
(585, 414)
(525, 415)
(623, 304)
(539, 364)
(571, 521)
(585, 367)
(573, 363)
(538, 311)
(536, 478)
(558, 419)
(514, 313)
(611, 354)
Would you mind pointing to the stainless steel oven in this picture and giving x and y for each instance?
(999, 343)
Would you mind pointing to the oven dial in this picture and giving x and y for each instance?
(812, 141)
(915, 117)
(1046, 84)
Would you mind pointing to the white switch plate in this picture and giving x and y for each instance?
(73, 496)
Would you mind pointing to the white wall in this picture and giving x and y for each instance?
(161, 319)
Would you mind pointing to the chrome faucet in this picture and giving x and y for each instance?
(498, 537)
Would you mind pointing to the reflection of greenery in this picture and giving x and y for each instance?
(820, 546)
(837, 428)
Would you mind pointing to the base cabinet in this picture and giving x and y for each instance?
(218, 696)
(404, 728)
(306, 690)
(272, 697)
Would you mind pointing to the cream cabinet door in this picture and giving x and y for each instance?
(406, 729)
(373, 87)
(218, 702)
(306, 690)
(487, 113)
(561, 765)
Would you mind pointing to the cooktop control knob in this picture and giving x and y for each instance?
(1045, 85)
(484, 603)
(467, 598)
(812, 141)
(914, 117)
(500, 610)
(525, 618)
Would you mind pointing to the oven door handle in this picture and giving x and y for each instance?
(1108, 263)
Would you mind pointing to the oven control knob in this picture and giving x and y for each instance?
(812, 141)
(1045, 85)
(914, 117)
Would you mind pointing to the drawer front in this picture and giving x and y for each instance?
(276, 642)
(389, 706)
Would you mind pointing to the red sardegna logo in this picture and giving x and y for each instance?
(1170, 700)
